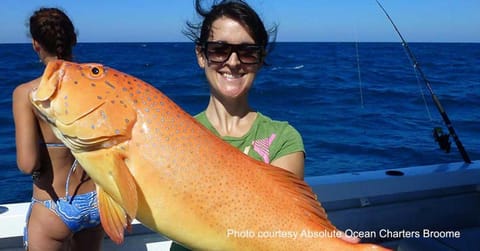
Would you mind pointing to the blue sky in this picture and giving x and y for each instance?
(299, 20)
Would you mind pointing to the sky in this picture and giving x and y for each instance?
(297, 20)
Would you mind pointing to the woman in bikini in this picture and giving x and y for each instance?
(63, 214)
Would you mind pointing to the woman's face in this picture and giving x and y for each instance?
(231, 79)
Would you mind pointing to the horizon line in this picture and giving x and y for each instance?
(152, 42)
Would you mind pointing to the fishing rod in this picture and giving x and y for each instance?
(441, 138)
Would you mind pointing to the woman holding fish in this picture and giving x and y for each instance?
(63, 214)
(231, 45)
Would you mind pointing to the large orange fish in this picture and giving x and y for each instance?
(153, 162)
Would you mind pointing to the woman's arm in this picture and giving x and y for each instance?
(26, 130)
(294, 162)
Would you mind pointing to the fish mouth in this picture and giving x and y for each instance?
(41, 112)
(40, 97)
(42, 108)
(74, 143)
(77, 144)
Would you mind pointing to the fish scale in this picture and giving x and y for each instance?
(154, 162)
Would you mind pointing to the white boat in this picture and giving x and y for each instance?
(434, 207)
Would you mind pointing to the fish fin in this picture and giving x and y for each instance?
(126, 185)
(113, 217)
(303, 195)
(108, 170)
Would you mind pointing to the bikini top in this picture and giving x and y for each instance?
(36, 173)
(54, 145)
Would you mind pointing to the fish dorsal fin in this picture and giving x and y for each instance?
(303, 195)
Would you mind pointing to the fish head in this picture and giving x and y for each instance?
(90, 109)
(84, 104)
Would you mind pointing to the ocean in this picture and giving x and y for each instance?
(358, 106)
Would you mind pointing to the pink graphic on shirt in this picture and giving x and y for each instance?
(262, 147)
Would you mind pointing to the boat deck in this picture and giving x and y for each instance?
(387, 207)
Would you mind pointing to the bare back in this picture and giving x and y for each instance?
(54, 162)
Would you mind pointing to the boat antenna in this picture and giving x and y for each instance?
(441, 138)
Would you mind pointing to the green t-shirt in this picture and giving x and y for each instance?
(267, 139)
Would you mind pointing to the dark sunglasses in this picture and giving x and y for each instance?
(220, 52)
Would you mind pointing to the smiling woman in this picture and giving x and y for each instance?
(231, 49)
(231, 46)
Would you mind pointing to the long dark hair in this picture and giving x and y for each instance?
(237, 10)
(54, 31)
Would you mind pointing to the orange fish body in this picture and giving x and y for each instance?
(154, 162)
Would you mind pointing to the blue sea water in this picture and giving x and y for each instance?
(359, 106)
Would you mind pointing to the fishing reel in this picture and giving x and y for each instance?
(443, 139)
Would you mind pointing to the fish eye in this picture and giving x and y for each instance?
(95, 71)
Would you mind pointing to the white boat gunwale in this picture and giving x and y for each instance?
(435, 197)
